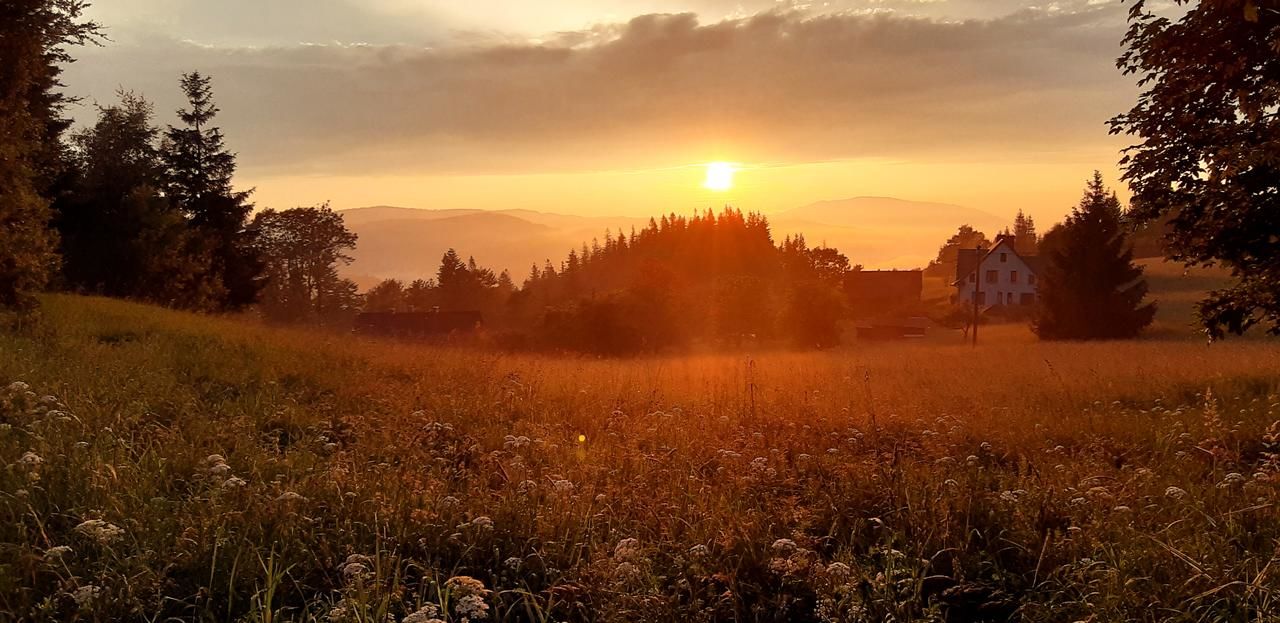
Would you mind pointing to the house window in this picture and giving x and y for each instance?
(1004, 257)
(993, 276)
(1013, 276)
(982, 298)
(1031, 279)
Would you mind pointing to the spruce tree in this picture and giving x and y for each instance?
(1089, 286)
(34, 36)
(199, 170)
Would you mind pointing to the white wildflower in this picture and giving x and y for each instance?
(1175, 493)
(839, 572)
(627, 550)
(562, 486)
(465, 585)
(482, 522)
(290, 496)
(86, 595)
(699, 551)
(428, 613)
(18, 387)
(473, 608)
(784, 547)
(100, 531)
(30, 461)
(234, 482)
(58, 552)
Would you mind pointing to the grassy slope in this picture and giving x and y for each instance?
(1035, 476)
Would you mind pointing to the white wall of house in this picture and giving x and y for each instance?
(1006, 279)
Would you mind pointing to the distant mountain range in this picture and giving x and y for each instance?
(406, 243)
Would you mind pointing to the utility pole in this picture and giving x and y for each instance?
(977, 291)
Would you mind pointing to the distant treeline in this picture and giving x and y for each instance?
(712, 279)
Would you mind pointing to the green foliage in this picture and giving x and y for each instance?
(120, 236)
(198, 172)
(1208, 159)
(301, 249)
(1089, 286)
(713, 279)
(34, 37)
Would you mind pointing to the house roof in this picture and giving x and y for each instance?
(969, 260)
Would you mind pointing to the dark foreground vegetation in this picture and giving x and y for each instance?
(161, 464)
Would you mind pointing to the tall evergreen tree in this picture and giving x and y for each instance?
(34, 37)
(1025, 240)
(120, 236)
(1089, 285)
(199, 170)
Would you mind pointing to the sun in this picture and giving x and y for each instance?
(719, 176)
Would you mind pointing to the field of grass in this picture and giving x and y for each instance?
(163, 466)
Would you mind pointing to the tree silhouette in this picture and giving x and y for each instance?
(120, 235)
(1089, 285)
(199, 172)
(1209, 152)
(301, 250)
(34, 37)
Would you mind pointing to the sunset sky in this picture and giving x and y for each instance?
(613, 107)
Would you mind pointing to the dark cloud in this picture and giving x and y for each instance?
(788, 86)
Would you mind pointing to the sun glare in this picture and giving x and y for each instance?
(719, 176)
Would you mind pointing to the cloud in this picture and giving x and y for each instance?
(786, 86)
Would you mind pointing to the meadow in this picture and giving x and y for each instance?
(165, 466)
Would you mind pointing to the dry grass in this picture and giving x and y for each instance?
(1042, 482)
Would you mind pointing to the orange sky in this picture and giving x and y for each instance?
(610, 107)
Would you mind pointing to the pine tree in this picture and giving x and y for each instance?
(199, 170)
(1089, 286)
(120, 235)
(34, 35)
(1025, 240)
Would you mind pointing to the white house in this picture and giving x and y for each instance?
(998, 276)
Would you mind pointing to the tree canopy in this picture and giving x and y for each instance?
(1208, 156)
(1089, 286)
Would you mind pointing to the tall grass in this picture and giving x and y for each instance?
(207, 469)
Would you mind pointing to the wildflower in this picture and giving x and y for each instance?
(449, 502)
(513, 563)
(220, 469)
(58, 552)
(1230, 480)
(86, 595)
(100, 531)
(699, 551)
(356, 567)
(30, 461)
(985, 447)
(465, 585)
(215, 459)
(234, 482)
(950, 482)
(290, 496)
(1122, 509)
(18, 387)
(472, 607)
(330, 447)
(562, 486)
(627, 550)
(482, 522)
(627, 572)
(1175, 493)
(839, 571)
(428, 613)
(784, 547)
